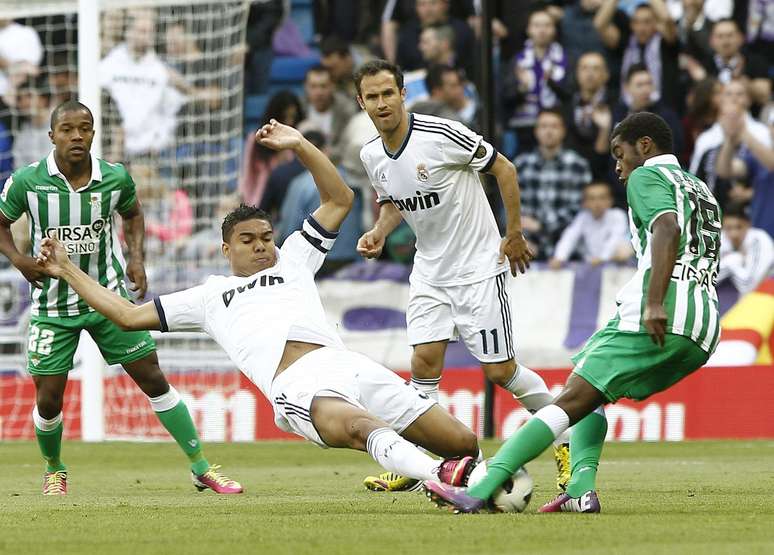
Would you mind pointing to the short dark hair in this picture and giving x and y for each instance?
(317, 68)
(375, 66)
(553, 111)
(636, 68)
(69, 106)
(435, 73)
(334, 45)
(645, 124)
(241, 213)
(739, 210)
(316, 137)
(727, 20)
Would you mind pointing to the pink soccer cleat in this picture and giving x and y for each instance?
(55, 483)
(455, 471)
(215, 481)
(456, 499)
(563, 503)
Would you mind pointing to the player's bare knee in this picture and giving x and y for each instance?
(49, 403)
(359, 428)
(500, 373)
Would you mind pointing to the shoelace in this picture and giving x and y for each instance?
(55, 482)
(218, 478)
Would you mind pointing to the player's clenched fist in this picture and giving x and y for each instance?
(370, 244)
(516, 249)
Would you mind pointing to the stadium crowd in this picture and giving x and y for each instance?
(566, 73)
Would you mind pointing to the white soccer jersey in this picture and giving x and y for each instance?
(253, 317)
(433, 179)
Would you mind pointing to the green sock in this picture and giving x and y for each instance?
(527, 443)
(178, 423)
(50, 444)
(588, 438)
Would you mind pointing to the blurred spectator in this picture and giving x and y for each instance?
(743, 154)
(359, 131)
(746, 253)
(30, 139)
(259, 161)
(433, 12)
(301, 200)
(735, 92)
(263, 19)
(20, 55)
(760, 27)
(728, 61)
(639, 91)
(599, 233)
(551, 179)
(147, 92)
(588, 115)
(447, 97)
(337, 58)
(354, 21)
(702, 105)
(651, 39)
(62, 77)
(281, 176)
(326, 110)
(693, 30)
(201, 255)
(6, 142)
(168, 212)
(579, 36)
(535, 75)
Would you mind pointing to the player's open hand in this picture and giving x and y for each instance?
(52, 258)
(370, 244)
(515, 248)
(135, 271)
(655, 321)
(277, 136)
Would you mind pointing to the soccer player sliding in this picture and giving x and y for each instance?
(269, 319)
(666, 326)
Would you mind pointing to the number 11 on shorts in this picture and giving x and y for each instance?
(495, 341)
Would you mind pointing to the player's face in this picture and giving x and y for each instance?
(627, 158)
(72, 136)
(736, 230)
(250, 249)
(381, 99)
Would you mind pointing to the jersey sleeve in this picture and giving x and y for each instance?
(309, 245)
(13, 199)
(182, 311)
(649, 195)
(381, 194)
(128, 197)
(464, 147)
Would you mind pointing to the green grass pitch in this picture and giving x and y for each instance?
(125, 498)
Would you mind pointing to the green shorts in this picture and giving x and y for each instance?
(52, 342)
(628, 364)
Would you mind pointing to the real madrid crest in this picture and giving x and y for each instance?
(422, 173)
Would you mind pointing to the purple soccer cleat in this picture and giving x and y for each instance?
(563, 503)
(457, 499)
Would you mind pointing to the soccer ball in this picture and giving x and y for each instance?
(513, 496)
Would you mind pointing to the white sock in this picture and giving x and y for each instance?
(395, 454)
(165, 402)
(45, 425)
(532, 392)
(555, 418)
(428, 386)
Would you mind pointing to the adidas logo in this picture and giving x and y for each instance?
(383, 177)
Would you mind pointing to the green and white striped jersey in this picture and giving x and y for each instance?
(691, 302)
(82, 220)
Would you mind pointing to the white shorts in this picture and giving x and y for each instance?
(479, 313)
(357, 379)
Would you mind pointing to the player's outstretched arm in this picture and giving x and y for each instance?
(53, 261)
(513, 246)
(666, 240)
(335, 197)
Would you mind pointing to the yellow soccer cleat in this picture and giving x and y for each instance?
(389, 481)
(563, 468)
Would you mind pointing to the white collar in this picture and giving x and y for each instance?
(667, 159)
(53, 169)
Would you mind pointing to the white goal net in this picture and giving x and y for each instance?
(164, 80)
